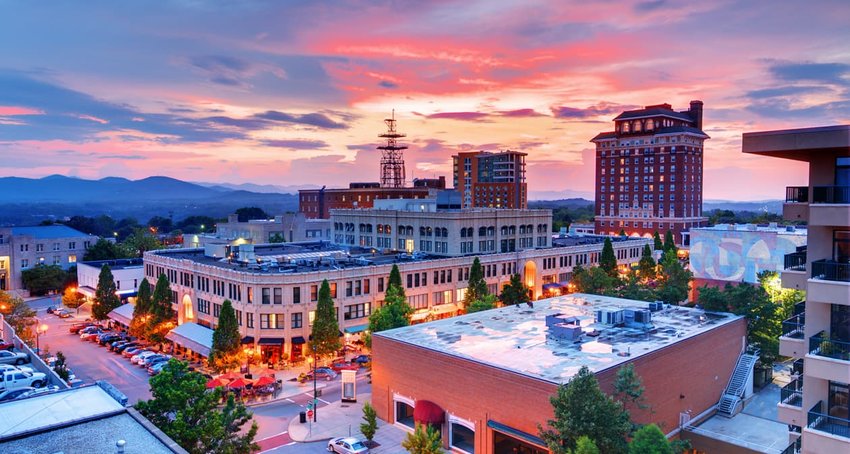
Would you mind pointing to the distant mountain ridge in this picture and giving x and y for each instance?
(259, 188)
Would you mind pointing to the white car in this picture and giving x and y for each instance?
(141, 356)
(16, 358)
(346, 445)
(9, 367)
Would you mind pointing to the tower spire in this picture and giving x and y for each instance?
(392, 156)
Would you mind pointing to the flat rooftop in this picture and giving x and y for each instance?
(783, 229)
(326, 256)
(517, 338)
(118, 264)
(797, 144)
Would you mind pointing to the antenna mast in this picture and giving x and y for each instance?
(392, 156)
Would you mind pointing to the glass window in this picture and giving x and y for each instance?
(404, 414)
(266, 295)
(462, 437)
(278, 295)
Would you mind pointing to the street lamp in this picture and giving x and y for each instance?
(41, 329)
(315, 394)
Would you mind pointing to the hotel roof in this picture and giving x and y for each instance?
(517, 338)
(48, 231)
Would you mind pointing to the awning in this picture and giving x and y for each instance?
(298, 340)
(552, 286)
(311, 336)
(516, 433)
(248, 340)
(418, 316)
(444, 308)
(427, 412)
(192, 336)
(87, 291)
(271, 341)
(122, 314)
(356, 329)
(127, 293)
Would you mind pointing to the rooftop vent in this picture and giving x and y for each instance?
(610, 317)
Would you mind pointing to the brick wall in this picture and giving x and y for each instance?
(687, 376)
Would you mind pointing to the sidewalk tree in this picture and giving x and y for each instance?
(669, 244)
(674, 280)
(325, 326)
(593, 280)
(395, 278)
(41, 278)
(142, 309)
(161, 316)
(486, 303)
(395, 313)
(370, 424)
(19, 316)
(183, 408)
(628, 390)
(72, 299)
(607, 259)
(585, 445)
(658, 245)
(226, 351)
(476, 287)
(647, 264)
(514, 292)
(424, 440)
(105, 299)
(649, 439)
(581, 408)
(61, 368)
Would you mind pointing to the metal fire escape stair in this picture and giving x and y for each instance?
(731, 399)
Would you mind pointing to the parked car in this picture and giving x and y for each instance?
(7, 367)
(63, 313)
(156, 368)
(132, 351)
(362, 359)
(346, 445)
(10, 357)
(19, 379)
(51, 309)
(37, 391)
(118, 343)
(76, 327)
(321, 372)
(122, 346)
(108, 338)
(5, 346)
(16, 393)
(340, 366)
(92, 335)
(153, 359)
(141, 357)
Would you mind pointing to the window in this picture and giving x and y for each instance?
(355, 311)
(25, 263)
(296, 295)
(279, 321)
(380, 284)
(72, 245)
(278, 295)
(404, 414)
(249, 319)
(39, 248)
(266, 295)
(462, 435)
(216, 310)
(265, 321)
(314, 293)
(333, 289)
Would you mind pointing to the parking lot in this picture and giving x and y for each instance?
(91, 362)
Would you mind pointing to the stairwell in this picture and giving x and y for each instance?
(731, 399)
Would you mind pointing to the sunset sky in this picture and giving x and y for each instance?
(293, 93)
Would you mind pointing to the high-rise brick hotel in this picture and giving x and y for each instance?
(649, 172)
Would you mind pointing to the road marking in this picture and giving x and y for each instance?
(290, 400)
(323, 400)
(291, 443)
(272, 436)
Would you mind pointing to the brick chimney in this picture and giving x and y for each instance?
(696, 113)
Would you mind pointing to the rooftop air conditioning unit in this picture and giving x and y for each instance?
(643, 316)
(656, 306)
(610, 317)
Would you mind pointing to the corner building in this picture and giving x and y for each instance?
(649, 172)
(491, 180)
(816, 404)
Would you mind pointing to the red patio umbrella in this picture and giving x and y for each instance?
(265, 380)
(216, 382)
(238, 383)
(230, 376)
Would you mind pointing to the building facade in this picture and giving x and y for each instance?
(126, 273)
(274, 288)
(317, 203)
(25, 247)
(485, 379)
(815, 404)
(649, 172)
(443, 233)
(289, 227)
(491, 180)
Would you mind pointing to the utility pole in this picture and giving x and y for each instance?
(315, 394)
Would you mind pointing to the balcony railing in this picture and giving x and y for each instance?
(797, 367)
(831, 194)
(830, 270)
(819, 420)
(821, 345)
(794, 326)
(795, 447)
(797, 194)
(795, 261)
(799, 308)
(792, 393)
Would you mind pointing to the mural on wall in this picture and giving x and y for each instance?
(739, 255)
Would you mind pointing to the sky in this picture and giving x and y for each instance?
(294, 93)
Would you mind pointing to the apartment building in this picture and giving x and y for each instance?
(288, 227)
(274, 288)
(491, 180)
(25, 247)
(317, 203)
(816, 404)
(649, 172)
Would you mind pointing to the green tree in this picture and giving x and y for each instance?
(607, 260)
(41, 278)
(658, 245)
(277, 238)
(486, 303)
(370, 424)
(424, 440)
(19, 316)
(581, 408)
(325, 326)
(61, 368)
(142, 310)
(593, 280)
(395, 312)
(226, 351)
(584, 445)
(161, 316)
(622, 232)
(674, 280)
(650, 439)
(514, 292)
(669, 243)
(246, 214)
(476, 287)
(190, 414)
(647, 264)
(105, 250)
(141, 241)
(628, 390)
(395, 278)
(72, 299)
(633, 288)
(105, 299)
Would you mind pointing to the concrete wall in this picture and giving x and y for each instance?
(8, 335)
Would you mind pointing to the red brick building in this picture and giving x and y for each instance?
(491, 180)
(317, 203)
(486, 378)
(649, 172)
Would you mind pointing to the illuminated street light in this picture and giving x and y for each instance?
(41, 329)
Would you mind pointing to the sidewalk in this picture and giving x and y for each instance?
(289, 389)
(342, 419)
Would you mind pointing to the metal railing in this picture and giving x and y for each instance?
(795, 261)
(821, 345)
(819, 420)
(800, 307)
(830, 270)
(797, 367)
(792, 393)
(795, 446)
(794, 326)
(831, 194)
(797, 194)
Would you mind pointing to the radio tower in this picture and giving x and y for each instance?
(392, 156)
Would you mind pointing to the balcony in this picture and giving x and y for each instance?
(796, 261)
(792, 342)
(790, 407)
(825, 433)
(796, 206)
(830, 270)
(829, 283)
(830, 206)
(794, 274)
(797, 367)
(828, 359)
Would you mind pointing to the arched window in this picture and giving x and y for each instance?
(388, 229)
(421, 231)
(491, 231)
(482, 231)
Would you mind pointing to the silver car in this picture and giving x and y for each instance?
(346, 445)
(16, 358)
